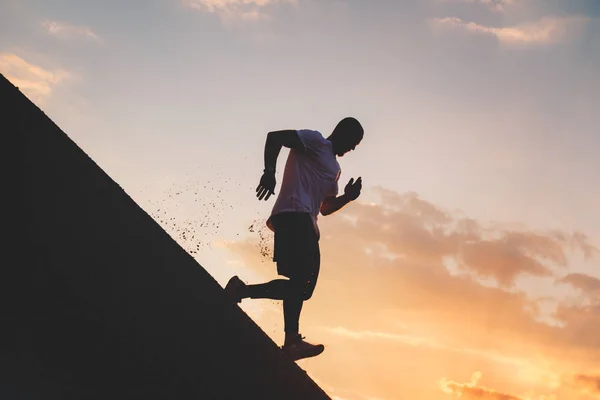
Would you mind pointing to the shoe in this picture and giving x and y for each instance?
(234, 289)
(298, 349)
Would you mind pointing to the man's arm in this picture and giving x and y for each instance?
(332, 204)
(275, 141)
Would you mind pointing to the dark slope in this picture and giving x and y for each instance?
(99, 302)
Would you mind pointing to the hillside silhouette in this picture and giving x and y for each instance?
(100, 302)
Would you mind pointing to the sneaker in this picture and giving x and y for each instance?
(298, 349)
(234, 289)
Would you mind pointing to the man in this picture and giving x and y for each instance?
(310, 186)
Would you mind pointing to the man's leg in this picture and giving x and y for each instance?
(292, 307)
(290, 291)
(277, 289)
(295, 346)
(292, 294)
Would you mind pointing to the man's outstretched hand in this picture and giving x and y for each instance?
(266, 187)
(352, 189)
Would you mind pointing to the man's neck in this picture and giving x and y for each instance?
(332, 146)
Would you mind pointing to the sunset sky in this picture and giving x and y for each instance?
(469, 266)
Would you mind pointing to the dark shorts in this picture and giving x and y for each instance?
(296, 249)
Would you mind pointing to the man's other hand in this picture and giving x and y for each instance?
(352, 189)
(266, 187)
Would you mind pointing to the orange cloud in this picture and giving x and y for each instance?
(470, 390)
(35, 81)
(548, 30)
(500, 259)
(415, 230)
(586, 283)
(590, 384)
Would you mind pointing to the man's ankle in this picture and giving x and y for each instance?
(291, 338)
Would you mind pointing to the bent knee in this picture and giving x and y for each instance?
(303, 288)
(309, 289)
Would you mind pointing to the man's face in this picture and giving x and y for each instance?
(347, 142)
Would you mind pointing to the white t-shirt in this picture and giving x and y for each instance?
(309, 176)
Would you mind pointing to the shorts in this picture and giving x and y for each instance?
(296, 249)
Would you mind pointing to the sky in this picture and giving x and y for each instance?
(468, 268)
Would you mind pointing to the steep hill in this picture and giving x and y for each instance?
(99, 301)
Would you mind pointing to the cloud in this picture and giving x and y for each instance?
(534, 370)
(370, 335)
(228, 10)
(470, 390)
(546, 31)
(588, 383)
(582, 316)
(501, 260)
(494, 5)
(581, 323)
(216, 5)
(65, 30)
(587, 284)
(35, 81)
(582, 241)
(415, 230)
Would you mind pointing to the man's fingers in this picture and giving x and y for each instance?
(264, 193)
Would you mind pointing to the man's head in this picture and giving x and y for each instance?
(346, 136)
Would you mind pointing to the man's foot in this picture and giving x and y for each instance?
(297, 349)
(235, 289)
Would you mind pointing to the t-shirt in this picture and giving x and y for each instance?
(311, 174)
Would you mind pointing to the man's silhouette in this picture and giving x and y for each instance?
(310, 186)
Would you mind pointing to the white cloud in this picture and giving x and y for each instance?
(65, 30)
(370, 335)
(494, 5)
(216, 5)
(246, 10)
(548, 30)
(529, 370)
(35, 81)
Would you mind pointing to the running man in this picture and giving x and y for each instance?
(310, 186)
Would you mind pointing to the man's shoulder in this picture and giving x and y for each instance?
(311, 137)
(310, 132)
